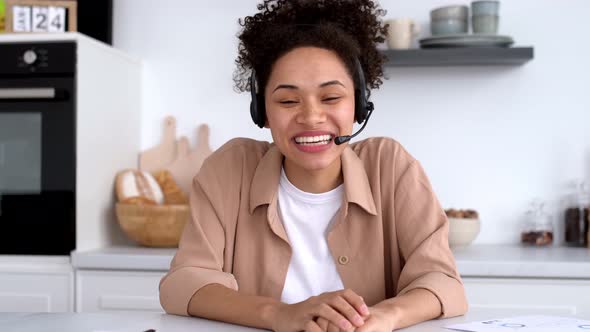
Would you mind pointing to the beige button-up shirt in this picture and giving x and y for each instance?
(390, 235)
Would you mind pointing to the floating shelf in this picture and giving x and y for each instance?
(458, 56)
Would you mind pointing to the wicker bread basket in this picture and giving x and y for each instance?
(153, 225)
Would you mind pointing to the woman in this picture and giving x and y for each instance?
(304, 233)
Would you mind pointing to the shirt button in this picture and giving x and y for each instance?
(343, 260)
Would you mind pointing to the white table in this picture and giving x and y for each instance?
(140, 322)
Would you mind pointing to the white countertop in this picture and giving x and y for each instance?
(519, 261)
(124, 258)
(472, 261)
(139, 322)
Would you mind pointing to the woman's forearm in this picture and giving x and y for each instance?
(415, 306)
(220, 303)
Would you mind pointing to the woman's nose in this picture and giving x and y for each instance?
(311, 113)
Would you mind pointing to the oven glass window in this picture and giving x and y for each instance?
(20, 153)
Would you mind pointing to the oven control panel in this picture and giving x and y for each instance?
(34, 58)
(37, 58)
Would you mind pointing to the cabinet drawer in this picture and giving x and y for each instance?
(36, 292)
(117, 291)
(559, 296)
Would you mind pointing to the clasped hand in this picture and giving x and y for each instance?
(342, 310)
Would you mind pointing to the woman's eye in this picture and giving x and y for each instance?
(331, 99)
(288, 102)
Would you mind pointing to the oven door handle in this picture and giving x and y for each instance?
(28, 93)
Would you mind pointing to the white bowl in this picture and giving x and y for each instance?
(462, 231)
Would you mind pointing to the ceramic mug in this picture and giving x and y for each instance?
(486, 24)
(485, 16)
(401, 32)
(485, 7)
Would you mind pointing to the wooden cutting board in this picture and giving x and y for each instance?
(162, 155)
(188, 162)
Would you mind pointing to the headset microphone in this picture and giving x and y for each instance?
(343, 139)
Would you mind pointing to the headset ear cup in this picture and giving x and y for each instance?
(261, 110)
(360, 96)
(254, 111)
(360, 107)
(257, 111)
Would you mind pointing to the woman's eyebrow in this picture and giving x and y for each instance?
(334, 82)
(285, 86)
(294, 87)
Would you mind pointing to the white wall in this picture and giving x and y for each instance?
(490, 138)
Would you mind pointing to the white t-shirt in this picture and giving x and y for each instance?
(306, 218)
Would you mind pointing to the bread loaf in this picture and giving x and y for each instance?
(172, 192)
(137, 187)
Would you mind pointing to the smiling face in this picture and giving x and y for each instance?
(309, 100)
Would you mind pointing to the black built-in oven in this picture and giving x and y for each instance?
(37, 148)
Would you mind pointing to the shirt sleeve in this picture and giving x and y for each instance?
(199, 259)
(422, 234)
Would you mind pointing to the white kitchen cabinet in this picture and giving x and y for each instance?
(496, 276)
(559, 296)
(36, 284)
(98, 290)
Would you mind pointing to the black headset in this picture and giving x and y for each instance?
(362, 106)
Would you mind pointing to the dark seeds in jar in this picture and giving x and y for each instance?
(537, 238)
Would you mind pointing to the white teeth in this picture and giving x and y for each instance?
(314, 139)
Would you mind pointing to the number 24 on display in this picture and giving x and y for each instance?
(39, 19)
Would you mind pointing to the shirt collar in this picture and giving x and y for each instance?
(265, 182)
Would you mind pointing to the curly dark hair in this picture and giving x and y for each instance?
(351, 28)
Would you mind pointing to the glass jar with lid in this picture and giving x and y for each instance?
(576, 217)
(538, 226)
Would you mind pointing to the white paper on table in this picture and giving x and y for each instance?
(526, 324)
